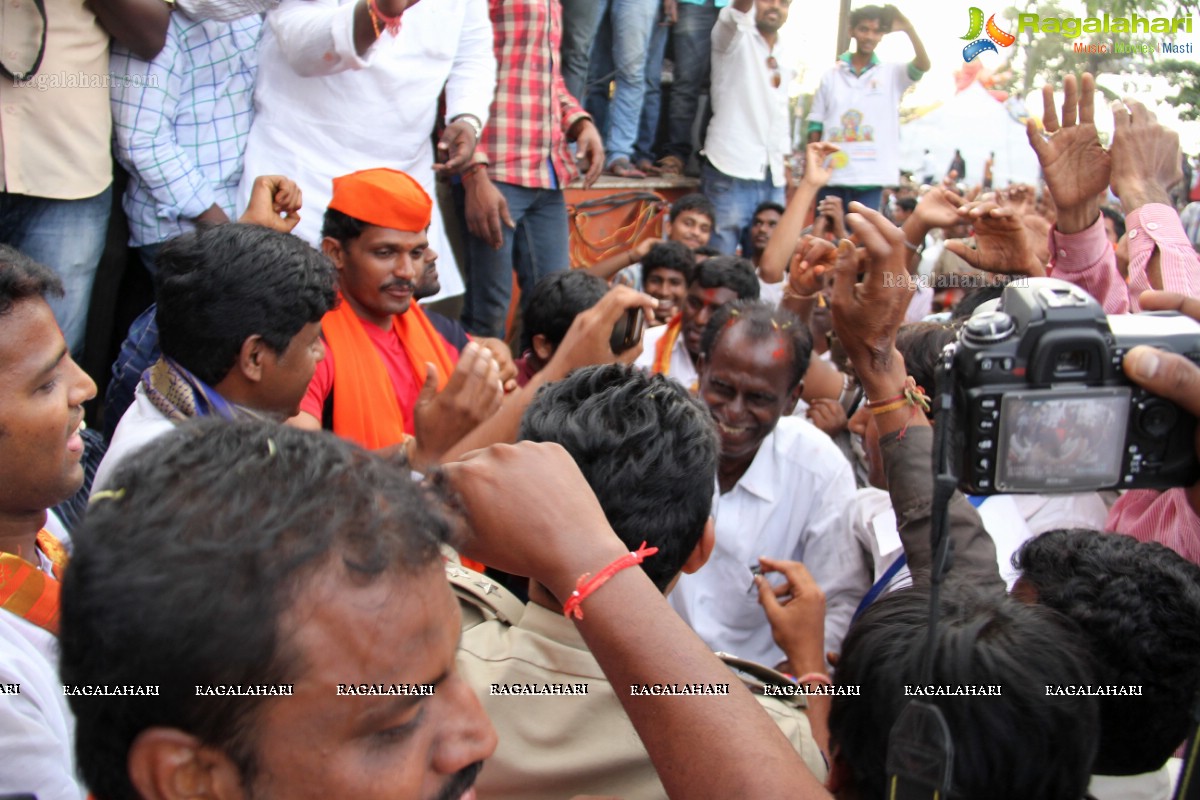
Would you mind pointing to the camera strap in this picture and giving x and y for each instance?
(920, 755)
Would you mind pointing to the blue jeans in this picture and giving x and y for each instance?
(601, 72)
(652, 102)
(869, 197)
(536, 247)
(581, 22)
(67, 236)
(138, 352)
(692, 37)
(735, 200)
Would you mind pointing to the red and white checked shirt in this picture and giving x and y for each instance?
(1087, 260)
(532, 112)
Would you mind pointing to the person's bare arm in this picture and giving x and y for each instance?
(628, 627)
(609, 267)
(586, 343)
(782, 243)
(901, 23)
(140, 25)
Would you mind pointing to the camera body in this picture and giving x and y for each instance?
(1042, 405)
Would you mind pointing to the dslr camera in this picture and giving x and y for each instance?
(1041, 403)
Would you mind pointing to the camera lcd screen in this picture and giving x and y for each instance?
(1055, 441)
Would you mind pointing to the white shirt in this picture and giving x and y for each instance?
(37, 728)
(1010, 519)
(680, 367)
(140, 424)
(749, 129)
(790, 504)
(1157, 785)
(322, 111)
(861, 115)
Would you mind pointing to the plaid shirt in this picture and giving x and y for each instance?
(180, 123)
(532, 112)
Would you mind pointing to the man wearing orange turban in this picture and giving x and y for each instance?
(384, 357)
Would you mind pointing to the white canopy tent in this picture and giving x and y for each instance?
(977, 124)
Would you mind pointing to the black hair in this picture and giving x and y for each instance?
(921, 345)
(22, 278)
(767, 205)
(341, 227)
(973, 298)
(865, 13)
(219, 286)
(694, 202)
(555, 302)
(706, 250)
(182, 579)
(760, 321)
(1118, 219)
(727, 272)
(669, 255)
(1019, 743)
(647, 448)
(908, 204)
(1138, 604)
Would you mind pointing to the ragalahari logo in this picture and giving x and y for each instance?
(995, 36)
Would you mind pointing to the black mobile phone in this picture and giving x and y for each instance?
(628, 330)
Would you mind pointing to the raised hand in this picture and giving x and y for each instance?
(831, 208)
(1001, 243)
(867, 315)
(472, 394)
(1074, 162)
(588, 340)
(938, 208)
(813, 258)
(1145, 156)
(818, 166)
(271, 196)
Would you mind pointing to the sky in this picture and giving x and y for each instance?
(811, 32)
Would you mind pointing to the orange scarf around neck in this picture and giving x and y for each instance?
(27, 591)
(666, 343)
(365, 408)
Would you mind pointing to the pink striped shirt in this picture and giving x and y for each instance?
(1086, 259)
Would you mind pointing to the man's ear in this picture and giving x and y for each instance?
(542, 347)
(703, 548)
(332, 249)
(789, 408)
(168, 764)
(250, 358)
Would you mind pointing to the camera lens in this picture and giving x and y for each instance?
(1157, 418)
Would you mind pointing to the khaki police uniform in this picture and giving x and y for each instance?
(559, 743)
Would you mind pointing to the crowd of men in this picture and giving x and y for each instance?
(334, 543)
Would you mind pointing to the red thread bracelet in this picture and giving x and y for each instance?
(587, 584)
(392, 24)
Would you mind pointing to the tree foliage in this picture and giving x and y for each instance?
(1046, 58)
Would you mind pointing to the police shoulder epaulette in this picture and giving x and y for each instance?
(482, 594)
(757, 677)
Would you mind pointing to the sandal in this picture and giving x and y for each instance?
(622, 168)
(670, 165)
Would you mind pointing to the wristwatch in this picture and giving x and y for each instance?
(473, 121)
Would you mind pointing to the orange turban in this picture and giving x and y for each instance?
(387, 198)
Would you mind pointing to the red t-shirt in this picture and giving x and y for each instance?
(395, 360)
